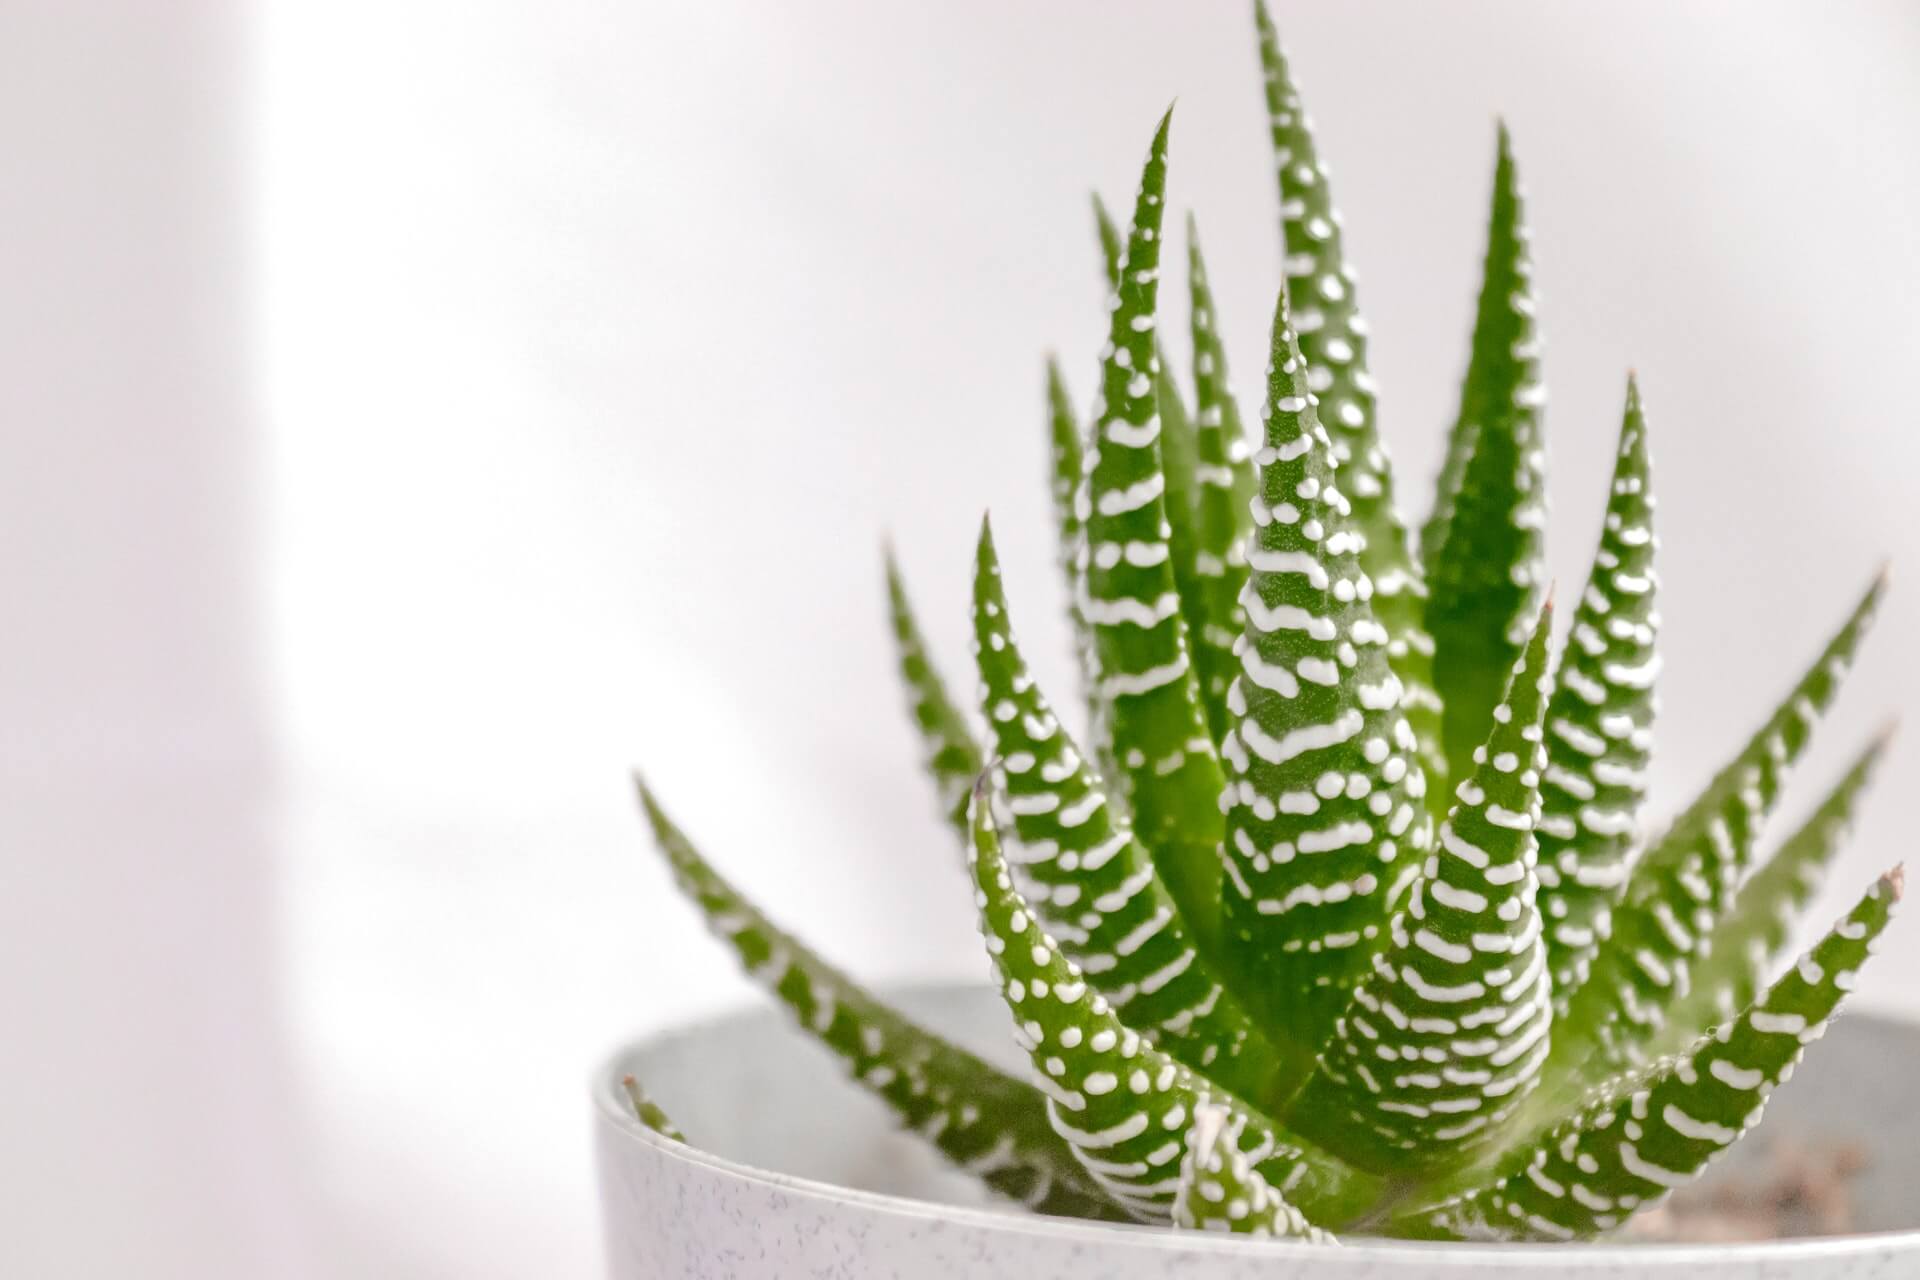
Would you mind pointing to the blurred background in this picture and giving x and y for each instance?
(415, 415)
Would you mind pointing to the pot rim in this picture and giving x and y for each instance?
(612, 1108)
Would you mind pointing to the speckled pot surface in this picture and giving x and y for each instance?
(799, 1175)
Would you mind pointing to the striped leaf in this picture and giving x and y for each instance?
(648, 1113)
(1221, 1190)
(947, 750)
(1749, 941)
(1445, 1037)
(1090, 881)
(1326, 819)
(1113, 246)
(1223, 495)
(1600, 724)
(1200, 603)
(1333, 340)
(1683, 884)
(1180, 459)
(1124, 1105)
(1066, 475)
(1483, 545)
(1069, 475)
(1179, 445)
(986, 1122)
(1168, 767)
(1644, 1136)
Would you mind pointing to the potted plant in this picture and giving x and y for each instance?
(1336, 933)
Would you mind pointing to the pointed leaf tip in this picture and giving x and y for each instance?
(1483, 542)
(1463, 976)
(1122, 1103)
(1333, 338)
(1312, 870)
(648, 1112)
(986, 1122)
(1600, 721)
(1646, 1133)
(1756, 926)
(1690, 873)
(1136, 557)
(648, 803)
(1113, 248)
(1091, 883)
(1223, 491)
(948, 753)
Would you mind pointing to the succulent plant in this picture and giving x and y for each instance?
(1342, 915)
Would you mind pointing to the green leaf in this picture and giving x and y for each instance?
(948, 751)
(1333, 339)
(1682, 885)
(1090, 881)
(1643, 1136)
(1179, 445)
(1326, 819)
(648, 1113)
(1180, 461)
(1221, 1190)
(1754, 933)
(986, 1122)
(1069, 475)
(1167, 761)
(1223, 495)
(1600, 724)
(1124, 1105)
(1483, 544)
(1113, 247)
(1445, 1037)
(1063, 450)
(1180, 458)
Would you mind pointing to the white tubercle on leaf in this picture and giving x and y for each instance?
(1600, 723)
(984, 1121)
(1683, 884)
(1221, 1190)
(1445, 1036)
(1124, 1105)
(1646, 1134)
(1325, 801)
(948, 751)
(1168, 768)
(1092, 883)
(1333, 341)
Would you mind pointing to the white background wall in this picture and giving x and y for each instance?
(594, 347)
(145, 1105)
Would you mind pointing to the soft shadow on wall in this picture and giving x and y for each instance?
(146, 1121)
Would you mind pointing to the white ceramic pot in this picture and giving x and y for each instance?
(797, 1175)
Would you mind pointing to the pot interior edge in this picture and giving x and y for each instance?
(807, 1131)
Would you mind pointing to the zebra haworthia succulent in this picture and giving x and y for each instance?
(1340, 915)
